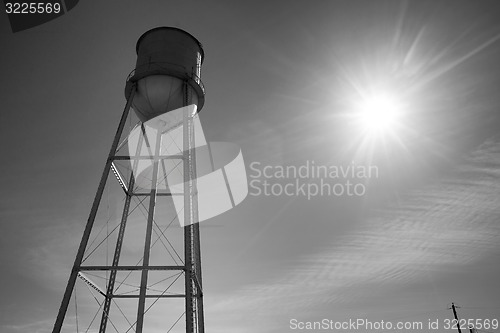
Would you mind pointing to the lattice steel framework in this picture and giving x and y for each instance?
(144, 291)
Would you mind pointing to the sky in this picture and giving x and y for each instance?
(281, 80)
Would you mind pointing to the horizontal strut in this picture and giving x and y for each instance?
(132, 268)
(150, 296)
(143, 194)
(148, 157)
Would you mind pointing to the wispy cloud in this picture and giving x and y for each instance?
(451, 222)
(39, 326)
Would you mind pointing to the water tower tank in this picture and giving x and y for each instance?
(167, 72)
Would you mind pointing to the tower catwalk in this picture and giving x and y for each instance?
(127, 274)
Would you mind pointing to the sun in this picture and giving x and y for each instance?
(379, 113)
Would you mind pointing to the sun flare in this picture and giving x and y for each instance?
(379, 113)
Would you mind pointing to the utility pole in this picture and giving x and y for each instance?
(453, 307)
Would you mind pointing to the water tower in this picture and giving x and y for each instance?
(165, 92)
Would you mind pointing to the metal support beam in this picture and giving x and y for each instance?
(147, 243)
(119, 241)
(90, 283)
(150, 296)
(188, 223)
(160, 194)
(132, 268)
(199, 294)
(116, 258)
(148, 157)
(198, 289)
(90, 222)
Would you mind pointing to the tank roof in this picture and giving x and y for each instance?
(170, 28)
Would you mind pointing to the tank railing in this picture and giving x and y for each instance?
(182, 70)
